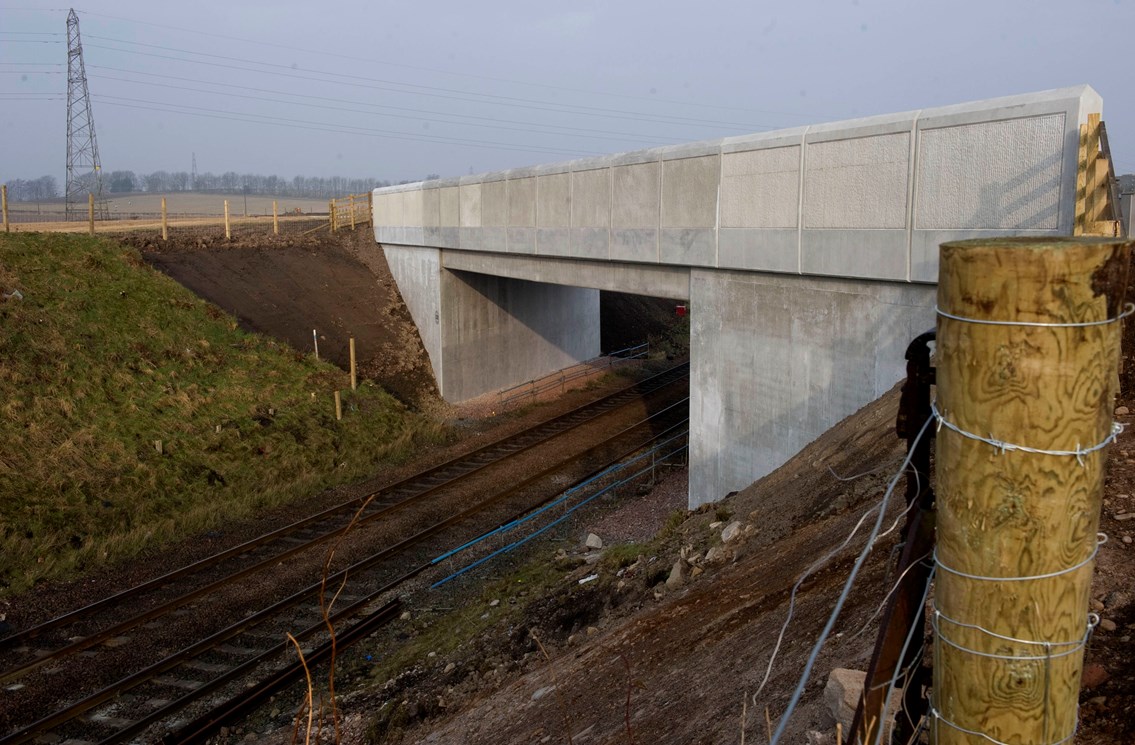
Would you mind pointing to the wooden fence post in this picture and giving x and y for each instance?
(228, 229)
(91, 212)
(275, 218)
(165, 221)
(338, 406)
(354, 377)
(331, 212)
(351, 206)
(1027, 355)
(370, 208)
(4, 205)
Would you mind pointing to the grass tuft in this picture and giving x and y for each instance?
(102, 358)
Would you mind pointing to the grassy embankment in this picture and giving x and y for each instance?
(104, 356)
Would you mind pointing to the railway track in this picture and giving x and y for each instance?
(192, 688)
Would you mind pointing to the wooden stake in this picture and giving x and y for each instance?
(91, 212)
(1007, 517)
(351, 207)
(331, 212)
(315, 343)
(275, 218)
(338, 407)
(4, 207)
(354, 378)
(228, 229)
(370, 208)
(165, 221)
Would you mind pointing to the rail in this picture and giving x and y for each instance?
(225, 657)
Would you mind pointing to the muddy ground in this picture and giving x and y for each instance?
(628, 658)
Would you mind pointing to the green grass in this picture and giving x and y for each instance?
(104, 356)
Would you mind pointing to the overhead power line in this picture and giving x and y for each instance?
(421, 90)
(322, 126)
(415, 114)
(457, 73)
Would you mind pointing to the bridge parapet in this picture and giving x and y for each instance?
(867, 198)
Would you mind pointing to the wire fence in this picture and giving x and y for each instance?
(203, 216)
(560, 379)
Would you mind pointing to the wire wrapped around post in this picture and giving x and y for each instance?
(1027, 359)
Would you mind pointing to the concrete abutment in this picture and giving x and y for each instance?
(484, 332)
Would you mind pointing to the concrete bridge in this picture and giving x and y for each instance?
(808, 257)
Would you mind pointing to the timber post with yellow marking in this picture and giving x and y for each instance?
(1028, 346)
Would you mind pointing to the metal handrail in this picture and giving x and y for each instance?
(580, 370)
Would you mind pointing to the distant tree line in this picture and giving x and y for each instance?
(230, 182)
(33, 190)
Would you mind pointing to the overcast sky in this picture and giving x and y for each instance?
(398, 90)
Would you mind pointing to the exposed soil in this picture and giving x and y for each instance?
(338, 286)
(627, 657)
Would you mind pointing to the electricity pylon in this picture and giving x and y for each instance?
(84, 172)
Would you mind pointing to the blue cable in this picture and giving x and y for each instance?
(555, 522)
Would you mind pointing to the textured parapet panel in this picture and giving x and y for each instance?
(869, 198)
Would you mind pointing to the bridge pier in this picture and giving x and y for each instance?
(483, 332)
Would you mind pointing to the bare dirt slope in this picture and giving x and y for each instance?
(678, 665)
(668, 665)
(337, 285)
